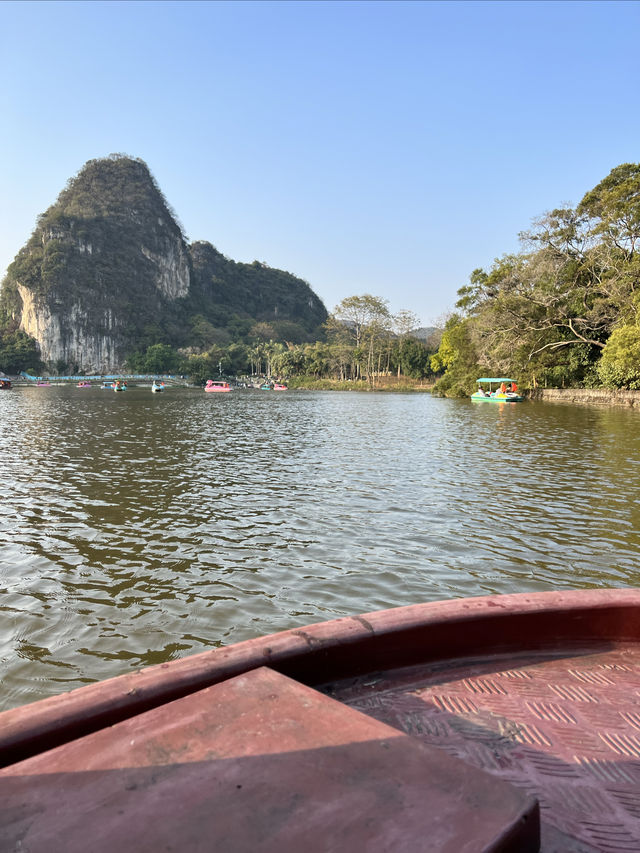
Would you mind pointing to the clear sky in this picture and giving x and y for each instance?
(367, 147)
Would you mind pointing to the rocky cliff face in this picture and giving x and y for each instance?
(70, 337)
(107, 258)
(107, 270)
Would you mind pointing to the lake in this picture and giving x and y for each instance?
(140, 527)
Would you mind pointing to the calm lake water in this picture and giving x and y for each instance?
(141, 527)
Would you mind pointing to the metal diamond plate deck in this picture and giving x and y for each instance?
(566, 730)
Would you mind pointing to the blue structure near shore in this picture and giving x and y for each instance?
(148, 377)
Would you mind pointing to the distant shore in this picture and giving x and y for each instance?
(581, 396)
(381, 383)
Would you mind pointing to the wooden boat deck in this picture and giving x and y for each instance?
(477, 724)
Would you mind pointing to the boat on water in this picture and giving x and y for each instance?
(42, 384)
(157, 386)
(215, 385)
(500, 723)
(84, 384)
(5, 384)
(119, 385)
(279, 386)
(505, 391)
(107, 386)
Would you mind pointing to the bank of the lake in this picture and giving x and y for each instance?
(587, 396)
(381, 383)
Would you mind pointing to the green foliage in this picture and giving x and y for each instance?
(250, 294)
(199, 368)
(365, 323)
(614, 206)
(204, 335)
(413, 358)
(619, 366)
(158, 358)
(546, 314)
(457, 358)
(18, 352)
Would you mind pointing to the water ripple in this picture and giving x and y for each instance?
(138, 528)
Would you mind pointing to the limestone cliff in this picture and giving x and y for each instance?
(107, 270)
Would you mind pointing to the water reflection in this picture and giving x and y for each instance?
(138, 527)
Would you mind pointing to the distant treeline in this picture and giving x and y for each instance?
(564, 311)
(361, 340)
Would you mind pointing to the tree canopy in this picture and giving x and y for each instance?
(565, 309)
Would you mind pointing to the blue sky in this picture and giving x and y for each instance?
(367, 147)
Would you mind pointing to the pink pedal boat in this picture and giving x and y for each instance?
(215, 385)
(502, 723)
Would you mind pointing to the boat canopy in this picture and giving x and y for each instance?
(495, 379)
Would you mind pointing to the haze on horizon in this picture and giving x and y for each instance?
(367, 147)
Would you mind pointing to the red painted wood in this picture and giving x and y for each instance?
(258, 763)
(439, 631)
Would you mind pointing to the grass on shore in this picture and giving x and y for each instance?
(382, 383)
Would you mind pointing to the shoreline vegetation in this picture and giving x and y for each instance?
(562, 313)
(381, 383)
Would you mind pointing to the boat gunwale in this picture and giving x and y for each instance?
(426, 633)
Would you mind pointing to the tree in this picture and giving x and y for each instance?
(18, 352)
(404, 322)
(414, 359)
(551, 310)
(366, 320)
(614, 208)
(619, 366)
(457, 359)
(262, 332)
(159, 358)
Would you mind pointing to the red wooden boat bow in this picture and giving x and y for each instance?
(474, 724)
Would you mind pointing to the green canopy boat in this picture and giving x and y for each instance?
(505, 391)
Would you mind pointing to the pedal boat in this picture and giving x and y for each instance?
(501, 723)
(217, 386)
(497, 395)
(156, 387)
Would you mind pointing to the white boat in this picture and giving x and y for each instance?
(157, 386)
